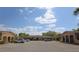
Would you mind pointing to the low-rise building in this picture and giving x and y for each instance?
(39, 38)
(7, 37)
(70, 37)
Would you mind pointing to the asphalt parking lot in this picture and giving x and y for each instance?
(39, 46)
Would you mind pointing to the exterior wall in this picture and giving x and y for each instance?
(76, 40)
(1, 37)
(39, 38)
(67, 35)
(7, 37)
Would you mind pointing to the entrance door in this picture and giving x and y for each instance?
(67, 39)
(63, 39)
(9, 40)
(71, 39)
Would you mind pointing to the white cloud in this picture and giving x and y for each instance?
(56, 29)
(51, 25)
(46, 8)
(42, 20)
(32, 30)
(60, 29)
(3, 27)
(24, 10)
(21, 11)
(47, 18)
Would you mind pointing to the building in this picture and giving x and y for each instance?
(70, 37)
(7, 37)
(39, 38)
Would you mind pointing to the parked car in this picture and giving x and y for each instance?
(27, 40)
(19, 41)
(47, 40)
(22, 40)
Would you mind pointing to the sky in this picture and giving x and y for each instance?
(36, 20)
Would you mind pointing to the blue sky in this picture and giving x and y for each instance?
(35, 20)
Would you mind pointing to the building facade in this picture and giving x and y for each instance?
(70, 37)
(40, 38)
(7, 37)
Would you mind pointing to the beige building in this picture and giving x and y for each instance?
(7, 37)
(70, 37)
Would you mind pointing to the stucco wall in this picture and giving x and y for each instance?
(68, 34)
(7, 35)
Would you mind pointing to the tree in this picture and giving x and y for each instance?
(52, 34)
(75, 29)
(49, 33)
(23, 35)
(76, 12)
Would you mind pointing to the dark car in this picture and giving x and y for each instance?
(47, 39)
(19, 41)
(26, 40)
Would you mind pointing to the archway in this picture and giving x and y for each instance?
(71, 39)
(9, 39)
(67, 39)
